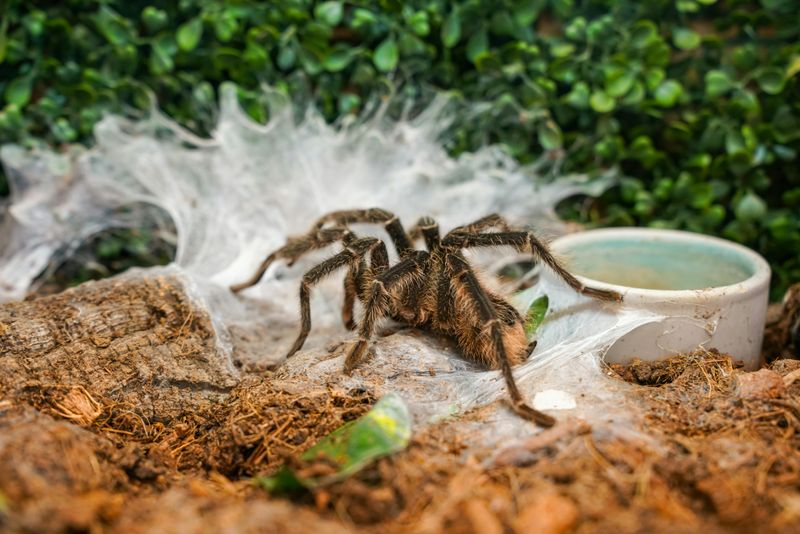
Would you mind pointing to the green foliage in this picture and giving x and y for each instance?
(697, 101)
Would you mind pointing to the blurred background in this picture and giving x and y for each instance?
(695, 102)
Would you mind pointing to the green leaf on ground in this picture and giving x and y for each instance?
(384, 430)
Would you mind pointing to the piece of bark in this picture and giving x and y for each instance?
(134, 340)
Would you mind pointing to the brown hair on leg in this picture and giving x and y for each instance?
(376, 306)
(350, 256)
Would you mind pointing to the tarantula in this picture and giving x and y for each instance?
(434, 289)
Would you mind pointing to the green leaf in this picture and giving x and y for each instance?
(161, 60)
(363, 18)
(477, 45)
(595, 30)
(525, 12)
(634, 96)
(653, 78)
(255, 55)
(189, 34)
(286, 57)
(685, 39)
(643, 33)
(658, 54)
(734, 142)
(225, 26)
(384, 430)
(791, 69)
(745, 100)
(750, 208)
(110, 247)
(63, 131)
(329, 13)
(162, 54)
(576, 29)
(745, 57)
(154, 19)
(411, 45)
(113, 27)
(549, 135)
(309, 62)
(349, 102)
(386, 55)
(203, 94)
(578, 97)
(668, 93)
(562, 49)
(618, 80)
(601, 102)
(536, 314)
(418, 22)
(451, 29)
(771, 80)
(717, 83)
(3, 38)
(701, 161)
(18, 91)
(339, 58)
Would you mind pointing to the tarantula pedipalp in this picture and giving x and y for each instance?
(433, 289)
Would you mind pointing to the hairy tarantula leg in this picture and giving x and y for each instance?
(256, 278)
(462, 274)
(376, 306)
(378, 262)
(428, 229)
(349, 298)
(294, 248)
(389, 220)
(505, 311)
(520, 240)
(352, 254)
(484, 223)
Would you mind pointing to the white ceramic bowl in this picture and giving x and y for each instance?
(712, 292)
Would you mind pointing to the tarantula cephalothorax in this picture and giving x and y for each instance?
(434, 289)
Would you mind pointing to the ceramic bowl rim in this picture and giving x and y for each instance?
(759, 279)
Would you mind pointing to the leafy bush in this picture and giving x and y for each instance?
(697, 101)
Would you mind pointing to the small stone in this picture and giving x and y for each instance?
(554, 399)
(762, 384)
(549, 514)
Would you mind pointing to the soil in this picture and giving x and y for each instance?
(119, 412)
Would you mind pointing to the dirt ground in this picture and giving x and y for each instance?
(116, 416)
